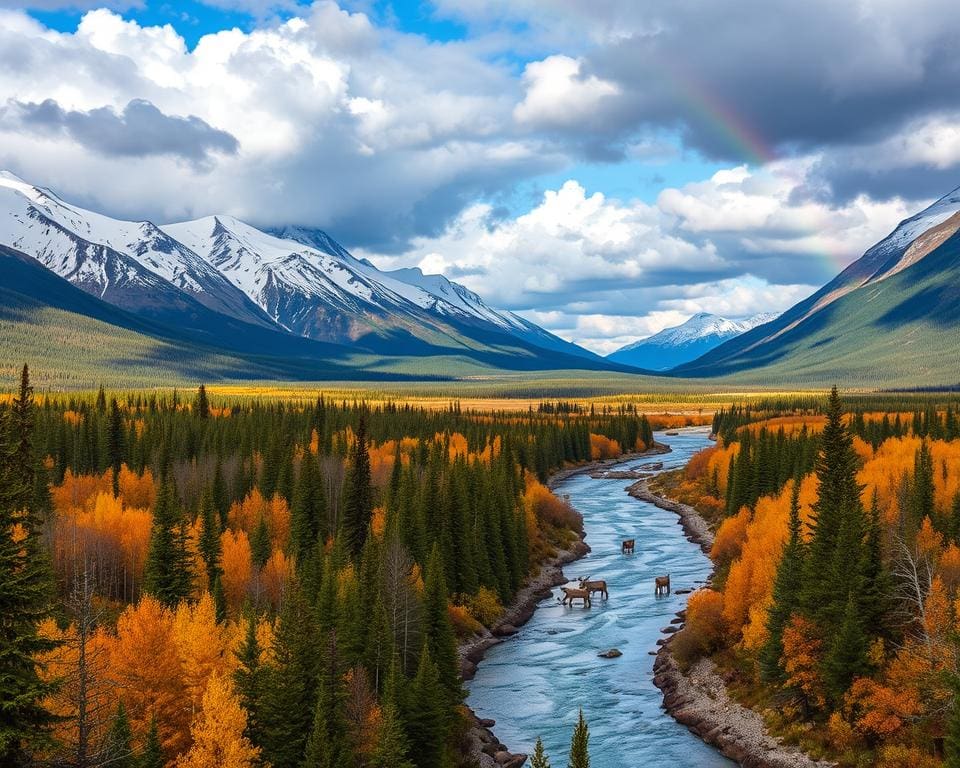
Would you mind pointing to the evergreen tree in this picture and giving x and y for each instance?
(327, 746)
(875, 581)
(209, 543)
(786, 591)
(391, 745)
(579, 752)
(309, 510)
(260, 544)
(539, 758)
(115, 440)
(118, 752)
(288, 700)
(427, 715)
(847, 657)
(25, 589)
(439, 631)
(202, 404)
(167, 573)
(152, 755)
(248, 679)
(358, 492)
(221, 497)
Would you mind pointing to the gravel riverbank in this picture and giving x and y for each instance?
(699, 699)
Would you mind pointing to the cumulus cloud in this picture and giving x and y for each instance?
(558, 95)
(605, 272)
(138, 131)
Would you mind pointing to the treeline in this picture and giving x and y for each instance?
(837, 595)
(246, 583)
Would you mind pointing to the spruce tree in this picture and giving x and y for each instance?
(579, 745)
(248, 679)
(209, 543)
(118, 747)
(152, 755)
(202, 405)
(327, 746)
(358, 492)
(786, 591)
(427, 714)
(847, 656)
(167, 573)
(539, 758)
(260, 544)
(25, 589)
(439, 631)
(115, 441)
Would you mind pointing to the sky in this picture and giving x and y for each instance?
(604, 168)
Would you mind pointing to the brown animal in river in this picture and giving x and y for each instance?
(662, 583)
(570, 594)
(594, 586)
(627, 546)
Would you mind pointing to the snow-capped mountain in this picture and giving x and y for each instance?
(293, 280)
(134, 265)
(683, 343)
(897, 306)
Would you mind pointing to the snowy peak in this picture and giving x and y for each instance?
(682, 343)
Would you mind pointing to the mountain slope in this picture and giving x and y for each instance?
(682, 343)
(218, 278)
(889, 319)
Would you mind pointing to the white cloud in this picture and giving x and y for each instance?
(558, 95)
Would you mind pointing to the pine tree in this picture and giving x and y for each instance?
(391, 745)
(202, 404)
(579, 752)
(118, 747)
(786, 591)
(221, 497)
(327, 746)
(209, 543)
(358, 493)
(539, 758)
(309, 510)
(25, 589)
(260, 544)
(115, 440)
(167, 573)
(846, 658)
(427, 714)
(439, 630)
(289, 692)
(248, 679)
(152, 755)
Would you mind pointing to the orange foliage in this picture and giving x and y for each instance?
(274, 577)
(801, 659)
(603, 447)
(237, 567)
(245, 516)
(705, 617)
(146, 667)
(730, 537)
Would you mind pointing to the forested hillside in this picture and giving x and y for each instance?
(835, 605)
(202, 583)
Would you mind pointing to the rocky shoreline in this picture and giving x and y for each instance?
(484, 747)
(699, 699)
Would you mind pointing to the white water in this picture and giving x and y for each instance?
(534, 683)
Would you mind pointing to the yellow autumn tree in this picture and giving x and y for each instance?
(218, 740)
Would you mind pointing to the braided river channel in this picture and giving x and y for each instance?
(534, 683)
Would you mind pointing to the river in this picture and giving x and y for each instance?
(534, 683)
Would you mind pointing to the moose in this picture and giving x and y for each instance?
(662, 585)
(570, 594)
(627, 546)
(594, 586)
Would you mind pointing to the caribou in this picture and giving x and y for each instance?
(662, 583)
(570, 594)
(594, 586)
(627, 546)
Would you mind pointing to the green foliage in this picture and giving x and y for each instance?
(579, 745)
(539, 758)
(167, 574)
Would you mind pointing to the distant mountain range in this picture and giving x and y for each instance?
(682, 343)
(892, 318)
(223, 283)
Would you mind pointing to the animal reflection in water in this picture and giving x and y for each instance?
(570, 594)
(662, 585)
